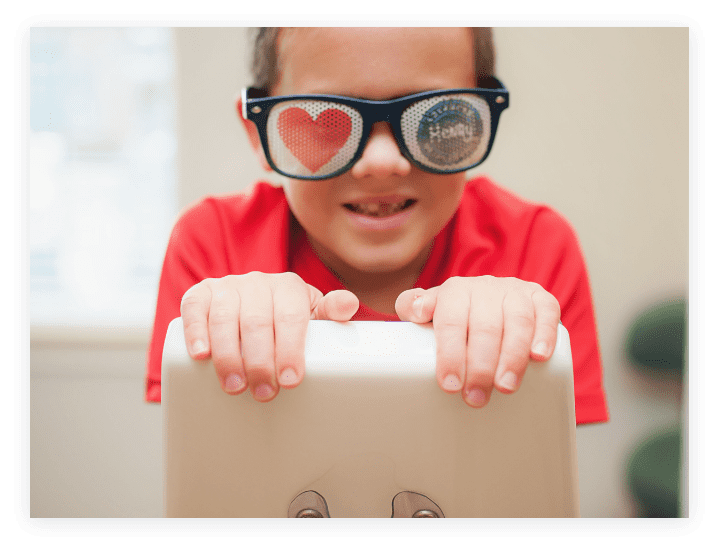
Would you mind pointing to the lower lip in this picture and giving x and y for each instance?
(375, 223)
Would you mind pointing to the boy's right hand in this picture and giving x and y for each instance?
(254, 327)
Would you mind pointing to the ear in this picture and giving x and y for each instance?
(253, 136)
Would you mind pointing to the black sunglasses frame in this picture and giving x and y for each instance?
(255, 105)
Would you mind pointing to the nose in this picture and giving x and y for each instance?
(381, 157)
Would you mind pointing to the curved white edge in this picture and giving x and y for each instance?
(174, 347)
(358, 348)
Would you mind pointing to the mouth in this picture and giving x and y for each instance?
(379, 209)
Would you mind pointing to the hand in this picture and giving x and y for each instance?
(487, 329)
(254, 327)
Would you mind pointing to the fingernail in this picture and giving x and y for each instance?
(233, 382)
(263, 391)
(288, 377)
(509, 381)
(476, 397)
(540, 349)
(417, 306)
(199, 347)
(451, 383)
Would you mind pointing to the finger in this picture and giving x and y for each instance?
(547, 314)
(291, 306)
(417, 305)
(518, 310)
(257, 337)
(484, 341)
(336, 305)
(450, 330)
(194, 308)
(224, 331)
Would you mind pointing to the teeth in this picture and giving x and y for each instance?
(379, 209)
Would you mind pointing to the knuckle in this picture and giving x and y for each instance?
(536, 287)
(243, 282)
(291, 317)
(487, 280)
(290, 278)
(228, 281)
(191, 298)
(194, 327)
(555, 315)
(451, 321)
(454, 283)
(254, 278)
(523, 318)
(518, 304)
(490, 328)
(221, 315)
(547, 301)
(256, 322)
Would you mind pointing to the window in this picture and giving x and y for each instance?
(101, 173)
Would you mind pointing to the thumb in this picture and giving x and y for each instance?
(335, 305)
(416, 305)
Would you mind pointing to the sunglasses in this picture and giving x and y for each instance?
(314, 137)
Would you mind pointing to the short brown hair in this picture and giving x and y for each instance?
(264, 57)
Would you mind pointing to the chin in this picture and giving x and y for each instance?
(379, 265)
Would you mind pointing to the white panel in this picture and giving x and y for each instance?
(368, 422)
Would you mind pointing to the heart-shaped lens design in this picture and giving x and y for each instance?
(313, 138)
(314, 142)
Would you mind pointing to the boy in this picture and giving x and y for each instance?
(377, 221)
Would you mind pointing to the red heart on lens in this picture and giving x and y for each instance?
(314, 142)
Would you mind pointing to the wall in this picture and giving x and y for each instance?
(598, 127)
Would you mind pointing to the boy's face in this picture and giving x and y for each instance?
(382, 215)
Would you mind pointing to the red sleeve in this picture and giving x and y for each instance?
(553, 259)
(191, 257)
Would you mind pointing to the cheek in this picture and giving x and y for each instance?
(445, 200)
(309, 203)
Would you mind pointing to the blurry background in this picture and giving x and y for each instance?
(125, 127)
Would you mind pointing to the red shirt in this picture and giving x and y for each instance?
(493, 232)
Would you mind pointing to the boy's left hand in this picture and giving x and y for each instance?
(487, 330)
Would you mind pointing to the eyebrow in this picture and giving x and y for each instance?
(404, 95)
(353, 96)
